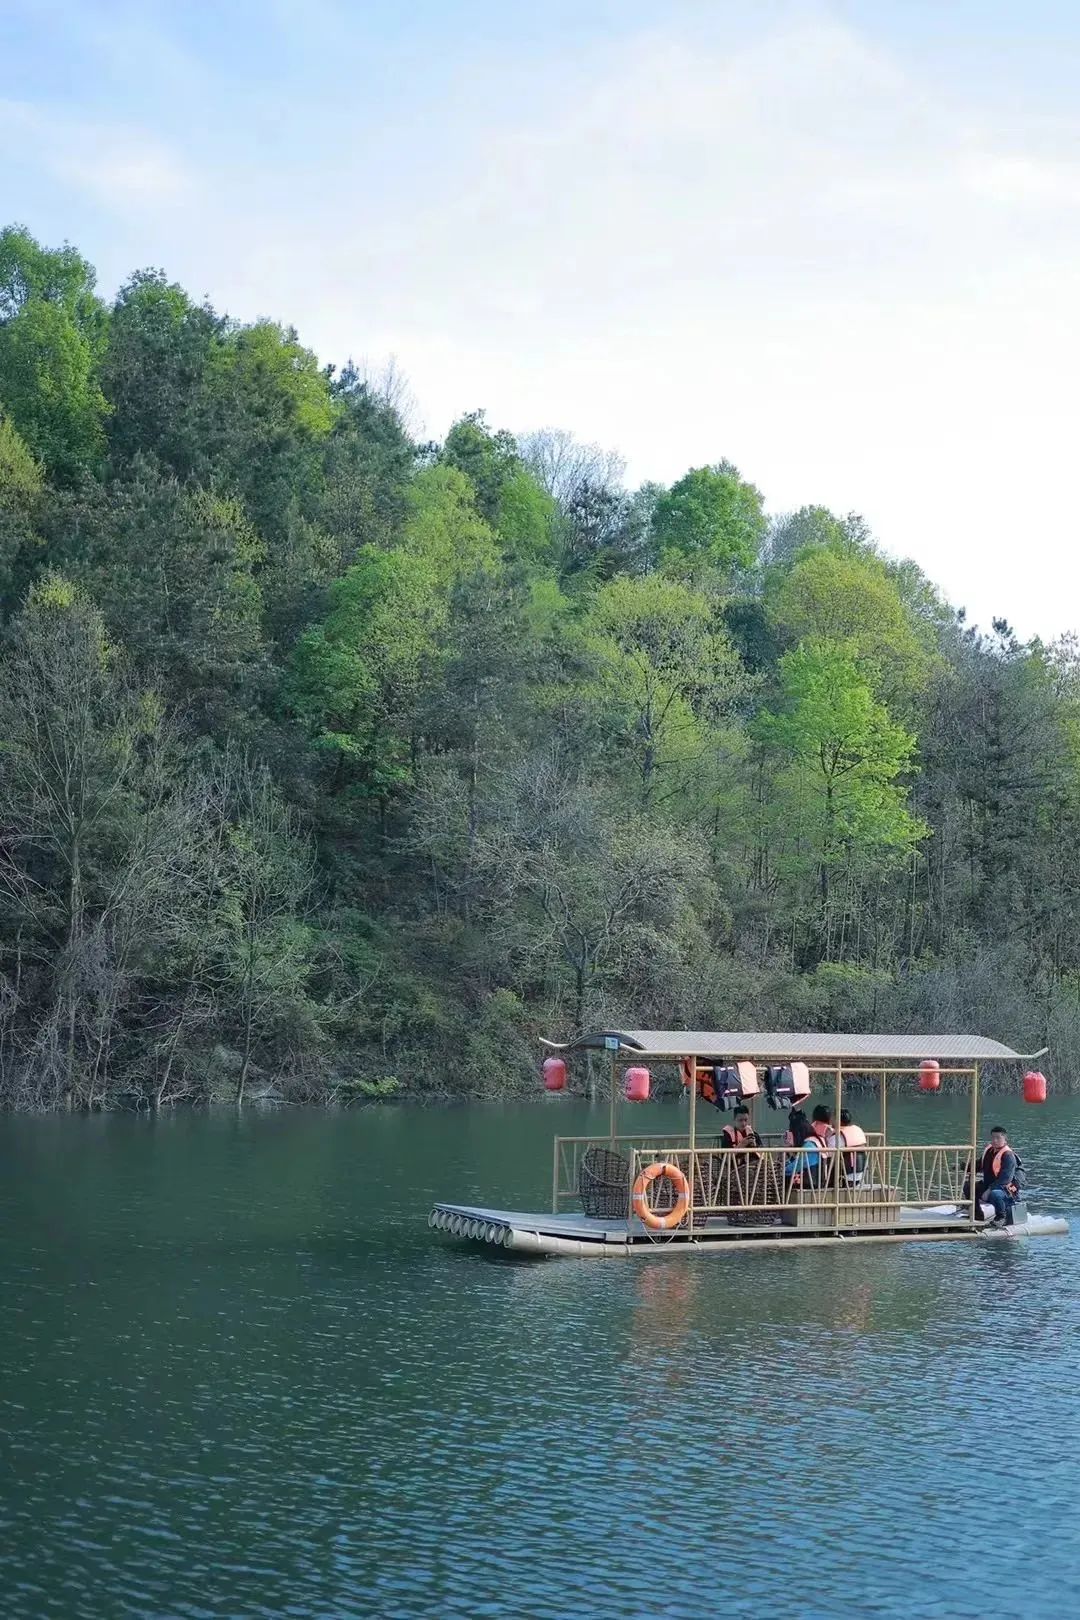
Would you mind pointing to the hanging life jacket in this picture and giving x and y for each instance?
(721, 1084)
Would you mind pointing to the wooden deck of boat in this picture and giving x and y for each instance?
(587, 1229)
(534, 1232)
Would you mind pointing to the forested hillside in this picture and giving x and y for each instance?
(335, 765)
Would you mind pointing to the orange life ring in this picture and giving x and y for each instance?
(644, 1210)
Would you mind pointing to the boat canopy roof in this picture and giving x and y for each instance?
(773, 1047)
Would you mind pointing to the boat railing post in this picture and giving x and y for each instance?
(974, 1141)
(613, 1117)
(884, 1106)
(838, 1157)
(555, 1180)
(693, 1145)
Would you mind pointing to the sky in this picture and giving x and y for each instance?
(837, 243)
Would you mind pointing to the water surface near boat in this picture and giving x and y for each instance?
(239, 1377)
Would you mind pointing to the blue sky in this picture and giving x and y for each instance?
(836, 243)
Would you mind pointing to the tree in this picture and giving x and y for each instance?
(842, 796)
(666, 677)
(849, 596)
(488, 460)
(268, 413)
(174, 571)
(48, 384)
(606, 893)
(358, 678)
(710, 519)
(508, 496)
(95, 838)
(154, 373)
(259, 944)
(813, 526)
(59, 276)
(22, 486)
(563, 466)
(594, 510)
(52, 332)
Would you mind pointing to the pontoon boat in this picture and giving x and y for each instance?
(616, 1195)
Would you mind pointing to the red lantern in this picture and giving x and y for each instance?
(1034, 1087)
(929, 1074)
(554, 1074)
(636, 1085)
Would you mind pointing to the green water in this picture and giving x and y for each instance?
(240, 1377)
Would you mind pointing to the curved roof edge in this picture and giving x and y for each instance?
(773, 1046)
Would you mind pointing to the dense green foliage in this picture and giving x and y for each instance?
(336, 766)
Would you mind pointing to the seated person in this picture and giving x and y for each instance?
(740, 1133)
(995, 1182)
(798, 1128)
(850, 1136)
(740, 1179)
(814, 1162)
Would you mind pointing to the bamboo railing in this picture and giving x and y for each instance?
(774, 1183)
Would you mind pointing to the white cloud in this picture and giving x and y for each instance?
(789, 254)
(117, 165)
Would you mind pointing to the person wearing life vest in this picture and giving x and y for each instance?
(739, 1179)
(798, 1129)
(815, 1148)
(850, 1136)
(740, 1133)
(995, 1183)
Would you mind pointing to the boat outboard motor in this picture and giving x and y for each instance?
(787, 1085)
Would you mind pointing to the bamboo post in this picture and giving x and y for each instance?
(974, 1139)
(693, 1139)
(555, 1180)
(884, 1107)
(838, 1157)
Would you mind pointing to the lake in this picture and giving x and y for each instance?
(240, 1377)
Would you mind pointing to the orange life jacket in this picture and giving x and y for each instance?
(703, 1078)
(991, 1161)
(990, 1168)
(734, 1138)
(848, 1137)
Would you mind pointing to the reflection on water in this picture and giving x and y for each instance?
(241, 1377)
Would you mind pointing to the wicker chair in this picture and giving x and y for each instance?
(604, 1184)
